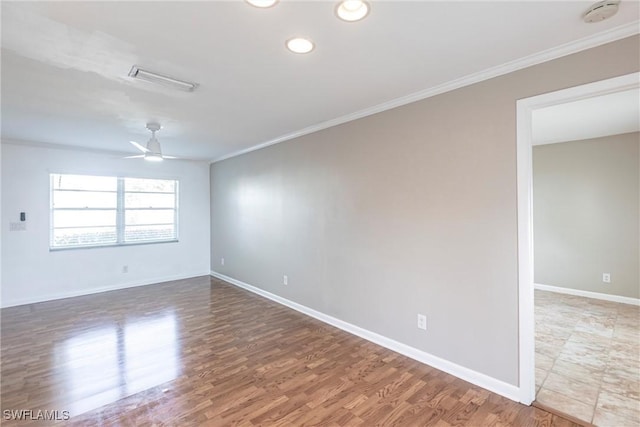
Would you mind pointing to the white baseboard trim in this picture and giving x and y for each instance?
(481, 380)
(62, 295)
(587, 294)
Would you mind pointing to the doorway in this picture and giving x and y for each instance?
(525, 111)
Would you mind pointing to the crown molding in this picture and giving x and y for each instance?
(575, 46)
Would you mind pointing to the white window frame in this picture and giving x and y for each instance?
(120, 214)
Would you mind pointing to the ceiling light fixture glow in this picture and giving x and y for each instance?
(262, 3)
(352, 10)
(300, 45)
(151, 77)
(153, 157)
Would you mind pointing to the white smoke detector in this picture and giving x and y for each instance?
(601, 11)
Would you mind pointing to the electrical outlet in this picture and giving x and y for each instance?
(221, 261)
(422, 322)
(285, 280)
(17, 226)
(125, 268)
(606, 277)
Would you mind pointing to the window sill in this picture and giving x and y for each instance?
(113, 245)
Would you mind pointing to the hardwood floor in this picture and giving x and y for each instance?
(202, 352)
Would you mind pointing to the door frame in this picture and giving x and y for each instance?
(524, 154)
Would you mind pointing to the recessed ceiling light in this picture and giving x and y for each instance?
(300, 45)
(262, 3)
(352, 10)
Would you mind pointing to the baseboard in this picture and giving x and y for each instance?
(481, 380)
(62, 295)
(587, 294)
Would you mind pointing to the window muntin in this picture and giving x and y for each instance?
(103, 211)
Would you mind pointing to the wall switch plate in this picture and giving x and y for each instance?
(606, 277)
(422, 322)
(125, 268)
(221, 261)
(285, 280)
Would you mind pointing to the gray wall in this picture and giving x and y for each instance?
(408, 211)
(585, 201)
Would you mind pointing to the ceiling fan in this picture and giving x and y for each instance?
(152, 151)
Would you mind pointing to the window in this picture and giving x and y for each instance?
(104, 210)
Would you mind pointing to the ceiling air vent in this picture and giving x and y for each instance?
(151, 77)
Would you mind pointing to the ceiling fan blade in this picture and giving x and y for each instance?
(139, 147)
(134, 157)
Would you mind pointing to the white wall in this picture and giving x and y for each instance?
(30, 272)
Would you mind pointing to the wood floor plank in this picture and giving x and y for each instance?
(200, 352)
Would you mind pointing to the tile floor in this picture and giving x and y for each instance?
(588, 358)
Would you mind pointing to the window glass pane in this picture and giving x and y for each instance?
(84, 218)
(84, 199)
(150, 185)
(84, 182)
(84, 236)
(133, 233)
(98, 210)
(155, 216)
(149, 200)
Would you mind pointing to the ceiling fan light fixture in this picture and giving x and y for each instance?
(153, 157)
(262, 3)
(300, 45)
(161, 79)
(154, 152)
(352, 10)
